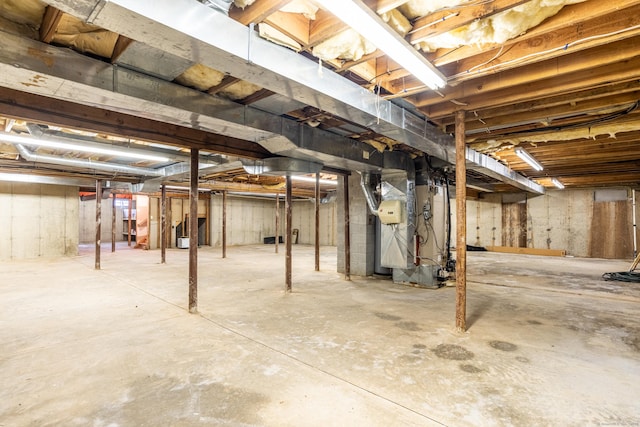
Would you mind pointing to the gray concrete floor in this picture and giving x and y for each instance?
(549, 343)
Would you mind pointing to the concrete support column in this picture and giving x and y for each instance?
(362, 230)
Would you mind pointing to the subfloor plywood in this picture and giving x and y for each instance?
(549, 343)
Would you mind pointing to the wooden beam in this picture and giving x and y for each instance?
(461, 224)
(255, 97)
(193, 231)
(455, 17)
(535, 75)
(225, 83)
(539, 106)
(569, 16)
(257, 12)
(547, 116)
(324, 27)
(527, 251)
(600, 31)
(294, 25)
(40, 109)
(50, 22)
(558, 85)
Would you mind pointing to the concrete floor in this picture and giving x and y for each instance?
(549, 344)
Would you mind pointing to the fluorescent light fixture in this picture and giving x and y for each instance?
(186, 188)
(528, 158)
(369, 25)
(557, 183)
(313, 180)
(122, 152)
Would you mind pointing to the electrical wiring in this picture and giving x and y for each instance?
(545, 52)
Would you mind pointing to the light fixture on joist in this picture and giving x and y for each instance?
(524, 155)
(369, 25)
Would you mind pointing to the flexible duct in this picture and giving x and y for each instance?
(365, 183)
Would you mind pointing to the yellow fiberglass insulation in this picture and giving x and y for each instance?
(348, 45)
(239, 90)
(397, 21)
(301, 6)
(85, 38)
(200, 77)
(27, 12)
(498, 28)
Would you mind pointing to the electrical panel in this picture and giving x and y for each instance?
(390, 212)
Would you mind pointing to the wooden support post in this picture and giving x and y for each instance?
(277, 221)
(98, 221)
(113, 222)
(317, 239)
(461, 223)
(287, 240)
(163, 224)
(224, 224)
(193, 232)
(129, 221)
(347, 232)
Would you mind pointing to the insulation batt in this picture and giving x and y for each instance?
(200, 77)
(243, 3)
(85, 37)
(303, 7)
(591, 132)
(28, 12)
(397, 21)
(348, 45)
(417, 8)
(239, 90)
(498, 28)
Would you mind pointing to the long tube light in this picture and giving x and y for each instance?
(557, 183)
(18, 139)
(368, 24)
(528, 158)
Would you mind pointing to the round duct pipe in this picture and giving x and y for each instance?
(281, 166)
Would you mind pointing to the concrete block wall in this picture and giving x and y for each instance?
(559, 219)
(87, 218)
(250, 220)
(361, 227)
(38, 220)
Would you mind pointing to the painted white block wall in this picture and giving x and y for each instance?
(250, 220)
(38, 220)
